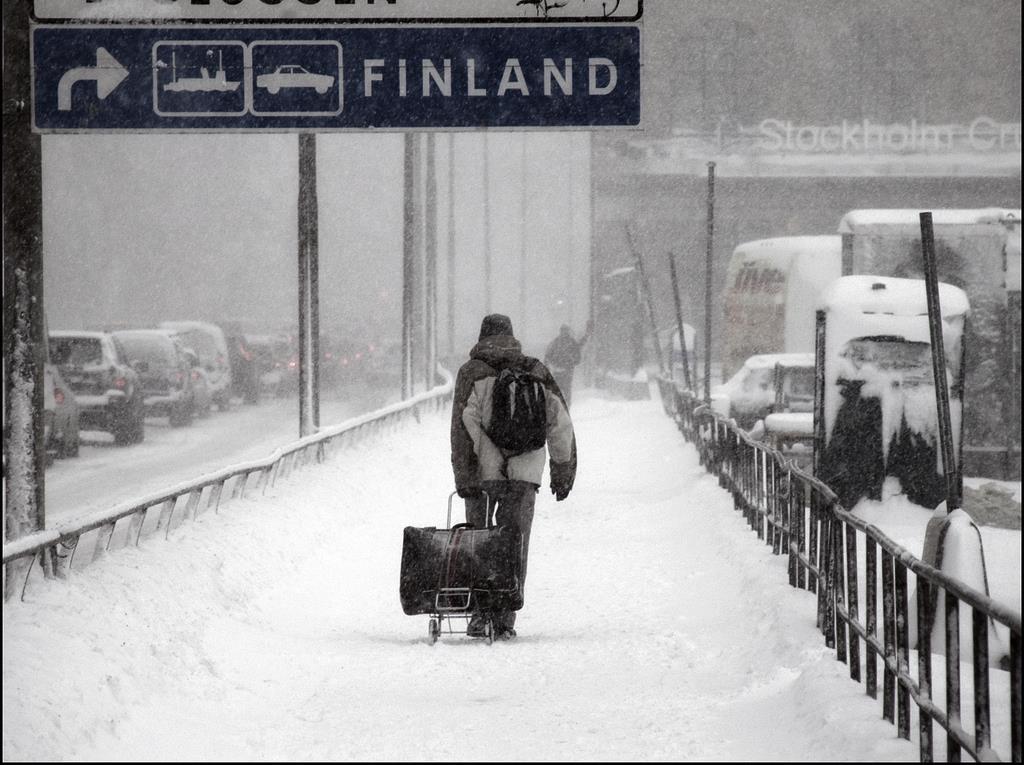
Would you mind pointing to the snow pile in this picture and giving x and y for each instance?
(790, 423)
(656, 626)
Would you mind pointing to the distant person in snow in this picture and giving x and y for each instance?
(562, 357)
(499, 449)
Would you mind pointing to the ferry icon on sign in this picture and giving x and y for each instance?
(202, 83)
(199, 78)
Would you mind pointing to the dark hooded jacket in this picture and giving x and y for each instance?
(474, 457)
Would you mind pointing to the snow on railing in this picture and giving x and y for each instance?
(56, 547)
(800, 516)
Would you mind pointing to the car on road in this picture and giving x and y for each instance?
(767, 383)
(164, 373)
(294, 76)
(105, 386)
(211, 345)
(60, 415)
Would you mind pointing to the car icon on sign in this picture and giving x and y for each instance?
(294, 76)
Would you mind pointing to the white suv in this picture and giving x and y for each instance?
(209, 344)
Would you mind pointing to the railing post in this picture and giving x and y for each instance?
(1015, 697)
(795, 535)
(982, 720)
(813, 553)
(839, 587)
(215, 491)
(889, 632)
(136, 524)
(803, 518)
(871, 615)
(193, 503)
(238, 490)
(902, 650)
(824, 578)
(924, 666)
(952, 672)
(851, 599)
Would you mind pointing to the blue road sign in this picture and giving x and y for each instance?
(322, 78)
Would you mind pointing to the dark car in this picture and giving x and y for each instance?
(106, 388)
(164, 373)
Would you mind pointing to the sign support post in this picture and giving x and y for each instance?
(23, 288)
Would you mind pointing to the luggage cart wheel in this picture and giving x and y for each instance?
(434, 630)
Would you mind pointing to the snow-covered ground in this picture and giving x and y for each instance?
(656, 626)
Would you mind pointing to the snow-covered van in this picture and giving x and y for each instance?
(766, 383)
(772, 289)
(977, 250)
(876, 414)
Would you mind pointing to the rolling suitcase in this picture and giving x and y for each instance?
(459, 572)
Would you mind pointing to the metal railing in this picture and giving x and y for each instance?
(840, 558)
(130, 521)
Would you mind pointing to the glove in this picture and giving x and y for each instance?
(561, 480)
(468, 492)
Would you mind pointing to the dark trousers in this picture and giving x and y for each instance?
(511, 503)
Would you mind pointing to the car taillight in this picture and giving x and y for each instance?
(344, 361)
(120, 383)
(58, 396)
(179, 377)
(246, 355)
(292, 363)
(195, 375)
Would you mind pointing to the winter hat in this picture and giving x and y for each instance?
(495, 324)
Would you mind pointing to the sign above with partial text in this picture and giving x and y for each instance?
(340, 11)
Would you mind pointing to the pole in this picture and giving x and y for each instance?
(931, 280)
(571, 291)
(24, 324)
(408, 240)
(709, 275)
(646, 289)
(314, 275)
(309, 322)
(487, 227)
(451, 244)
(522, 236)
(679, 320)
(592, 307)
(430, 288)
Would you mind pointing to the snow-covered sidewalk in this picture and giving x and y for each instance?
(656, 627)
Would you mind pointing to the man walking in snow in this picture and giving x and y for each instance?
(562, 356)
(509, 475)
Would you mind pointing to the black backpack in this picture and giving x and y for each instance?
(519, 419)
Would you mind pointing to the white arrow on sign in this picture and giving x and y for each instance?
(107, 73)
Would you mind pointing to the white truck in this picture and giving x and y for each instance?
(772, 288)
(977, 250)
